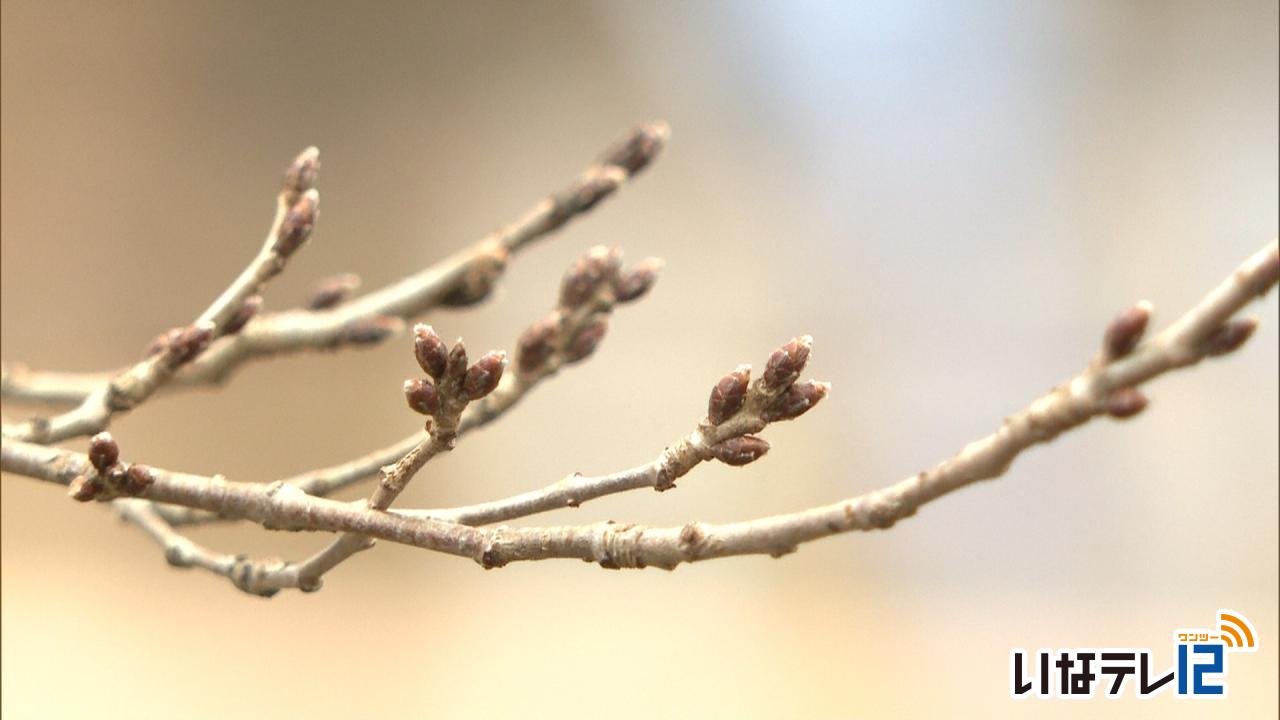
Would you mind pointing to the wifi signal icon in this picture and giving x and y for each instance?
(1237, 632)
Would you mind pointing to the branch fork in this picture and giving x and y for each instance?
(455, 396)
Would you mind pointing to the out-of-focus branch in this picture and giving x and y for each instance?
(464, 278)
(296, 207)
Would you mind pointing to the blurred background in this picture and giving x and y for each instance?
(953, 198)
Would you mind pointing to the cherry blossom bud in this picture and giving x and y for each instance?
(1124, 333)
(479, 279)
(786, 363)
(1230, 336)
(740, 450)
(301, 175)
(164, 341)
(103, 451)
(430, 350)
(115, 479)
(585, 276)
(456, 365)
(333, 291)
(483, 376)
(591, 191)
(797, 400)
(536, 345)
(84, 488)
(138, 478)
(634, 284)
(728, 395)
(296, 228)
(370, 330)
(586, 340)
(1125, 403)
(247, 311)
(635, 151)
(190, 342)
(422, 395)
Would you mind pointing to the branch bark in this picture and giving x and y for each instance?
(1106, 387)
(464, 278)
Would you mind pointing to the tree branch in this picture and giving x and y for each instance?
(296, 207)
(1107, 386)
(462, 279)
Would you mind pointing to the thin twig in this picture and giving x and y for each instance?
(571, 333)
(1107, 386)
(464, 278)
(568, 323)
(296, 206)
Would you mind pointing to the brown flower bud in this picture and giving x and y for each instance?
(103, 451)
(797, 400)
(584, 194)
(584, 277)
(635, 151)
(296, 228)
(1125, 403)
(634, 284)
(138, 478)
(422, 396)
(1230, 336)
(430, 350)
(728, 395)
(483, 376)
(247, 311)
(585, 342)
(84, 488)
(189, 343)
(115, 479)
(536, 345)
(786, 363)
(301, 175)
(479, 279)
(740, 450)
(1124, 333)
(456, 365)
(593, 189)
(332, 291)
(370, 330)
(164, 340)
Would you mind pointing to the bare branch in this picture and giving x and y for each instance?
(1192, 338)
(588, 294)
(464, 278)
(296, 209)
(543, 350)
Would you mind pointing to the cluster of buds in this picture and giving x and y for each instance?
(181, 345)
(110, 477)
(741, 407)
(449, 383)
(1125, 333)
(1120, 340)
(590, 289)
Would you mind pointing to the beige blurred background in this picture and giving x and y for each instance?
(953, 199)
